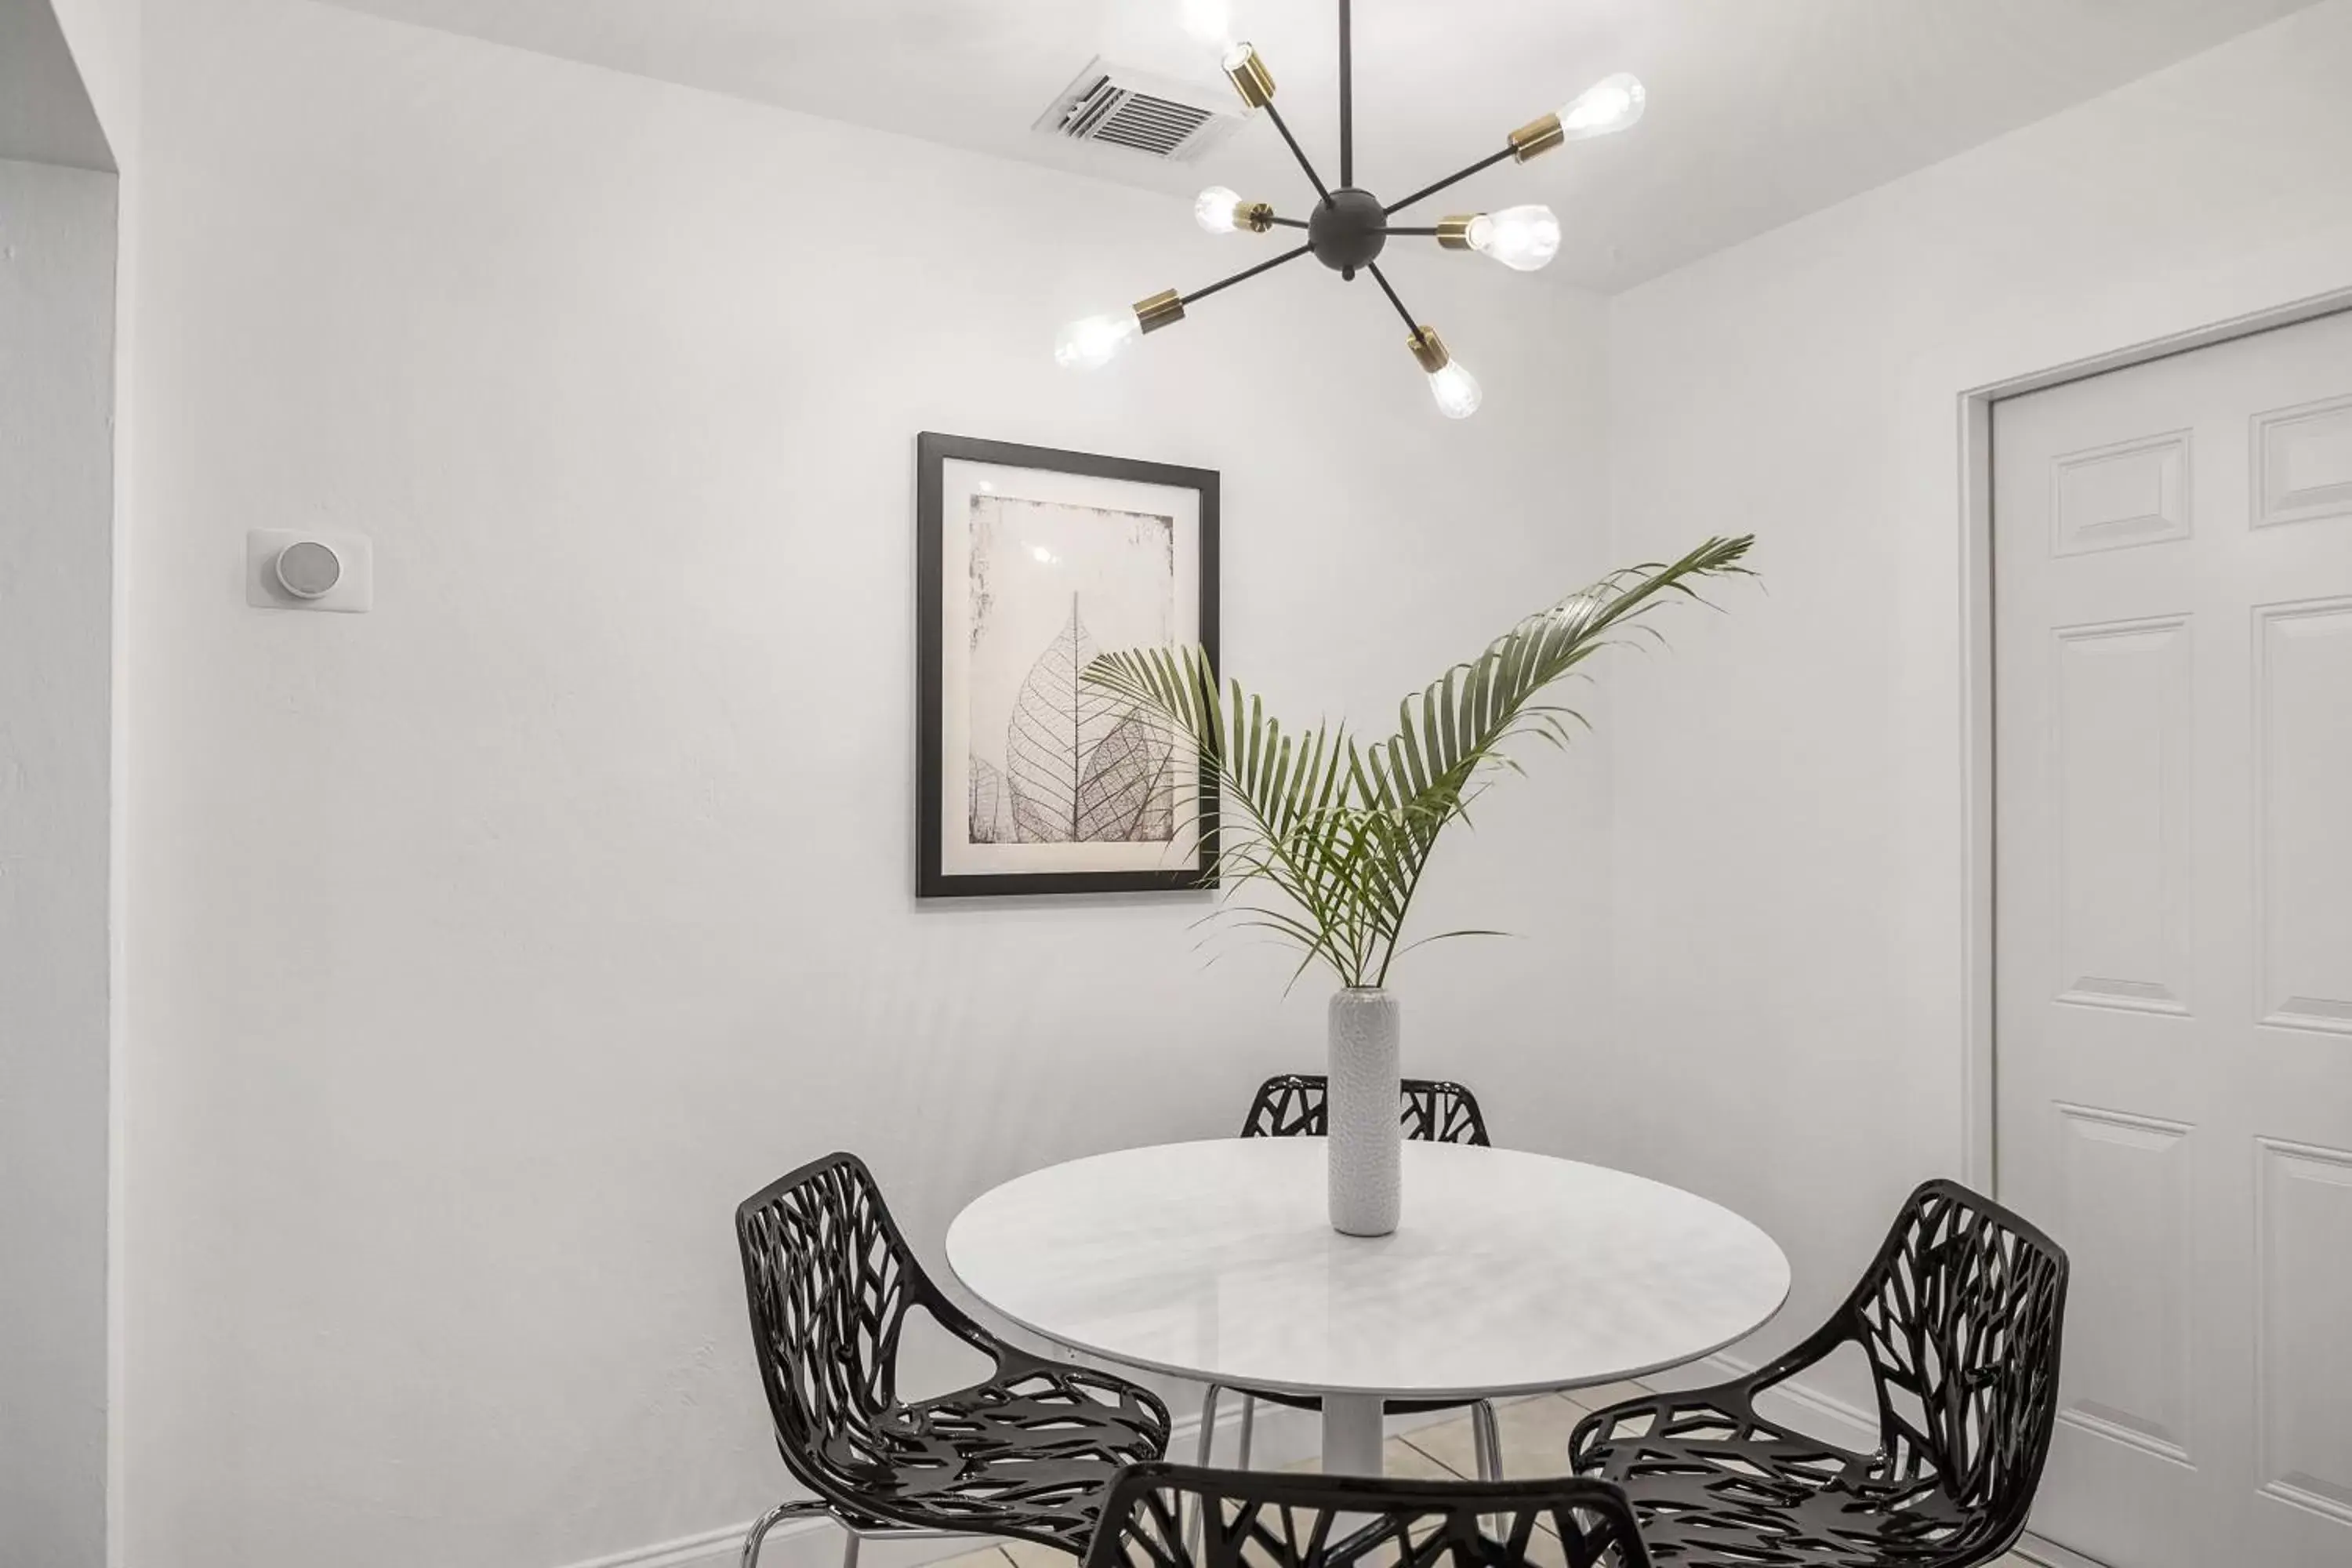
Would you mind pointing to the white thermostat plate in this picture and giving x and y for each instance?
(353, 593)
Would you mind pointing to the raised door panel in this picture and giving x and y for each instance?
(2304, 1314)
(2303, 463)
(2124, 1214)
(2111, 497)
(2302, 806)
(2120, 767)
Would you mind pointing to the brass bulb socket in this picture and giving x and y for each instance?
(1536, 136)
(1259, 217)
(1429, 349)
(1252, 79)
(1161, 310)
(1454, 232)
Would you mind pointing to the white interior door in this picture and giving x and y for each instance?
(2173, 690)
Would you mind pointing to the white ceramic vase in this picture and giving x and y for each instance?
(1360, 1112)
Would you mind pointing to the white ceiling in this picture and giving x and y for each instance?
(45, 115)
(1760, 110)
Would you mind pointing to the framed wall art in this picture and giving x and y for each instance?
(1030, 562)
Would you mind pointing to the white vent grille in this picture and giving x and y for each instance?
(1125, 108)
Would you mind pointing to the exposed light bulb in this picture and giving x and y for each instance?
(1090, 343)
(1210, 21)
(1218, 210)
(1237, 54)
(1456, 390)
(1521, 238)
(1611, 104)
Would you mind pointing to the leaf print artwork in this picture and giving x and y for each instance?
(992, 805)
(1083, 768)
(1079, 766)
(1129, 793)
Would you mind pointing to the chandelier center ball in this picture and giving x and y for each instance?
(1348, 230)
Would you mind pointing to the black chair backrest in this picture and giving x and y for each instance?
(1961, 1315)
(1266, 1519)
(1292, 1105)
(830, 1280)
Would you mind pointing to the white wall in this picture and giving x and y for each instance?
(488, 948)
(57, 386)
(1789, 903)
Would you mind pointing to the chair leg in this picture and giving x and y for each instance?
(1249, 1425)
(1207, 1437)
(1490, 1440)
(767, 1521)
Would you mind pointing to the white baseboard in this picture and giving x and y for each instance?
(2033, 1549)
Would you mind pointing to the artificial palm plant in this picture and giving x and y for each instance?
(1341, 830)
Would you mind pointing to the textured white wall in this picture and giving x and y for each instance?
(488, 948)
(57, 394)
(1789, 902)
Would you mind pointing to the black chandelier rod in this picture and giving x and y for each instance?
(1347, 101)
(1296, 151)
(1245, 274)
(1486, 163)
(1382, 279)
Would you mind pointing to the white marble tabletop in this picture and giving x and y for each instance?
(1511, 1272)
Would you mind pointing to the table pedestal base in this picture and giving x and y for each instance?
(1353, 1434)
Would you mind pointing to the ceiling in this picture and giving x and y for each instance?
(1760, 111)
(45, 115)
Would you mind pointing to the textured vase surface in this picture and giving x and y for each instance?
(1365, 1140)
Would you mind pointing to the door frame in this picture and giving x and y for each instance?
(1978, 1048)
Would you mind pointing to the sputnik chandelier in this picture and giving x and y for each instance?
(1349, 228)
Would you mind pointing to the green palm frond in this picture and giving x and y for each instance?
(1341, 831)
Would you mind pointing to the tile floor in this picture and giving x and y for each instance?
(1535, 1436)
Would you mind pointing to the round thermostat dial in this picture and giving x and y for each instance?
(308, 569)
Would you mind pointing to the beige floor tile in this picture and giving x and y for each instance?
(1398, 1458)
(1535, 1438)
(1605, 1394)
(1406, 1462)
(992, 1557)
(1029, 1554)
(1544, 1549)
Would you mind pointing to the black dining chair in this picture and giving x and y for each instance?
(1960, 1316)
(1274, 1519)
(1431, 1111)
(1030, 1452)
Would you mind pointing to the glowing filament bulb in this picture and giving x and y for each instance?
(1521, 238)
(1611, 104)
(1094, 341)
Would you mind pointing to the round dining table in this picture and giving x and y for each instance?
(1510, 1273)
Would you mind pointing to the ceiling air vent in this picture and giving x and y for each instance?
(1123, 107)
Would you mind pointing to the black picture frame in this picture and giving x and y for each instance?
(933, 451)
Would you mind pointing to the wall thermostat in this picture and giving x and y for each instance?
(308, 569)
(287, 569)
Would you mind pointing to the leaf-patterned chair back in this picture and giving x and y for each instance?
(830, 1280)
(1258, 1518)
(1961, 1315)
(1433, 1110)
